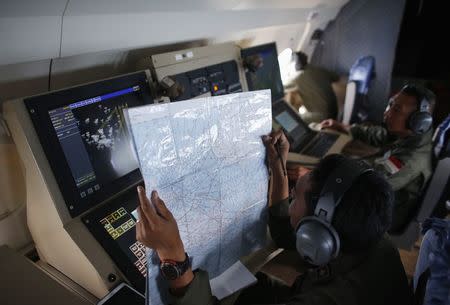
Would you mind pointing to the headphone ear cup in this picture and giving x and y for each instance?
(316, 241)
(420, 122)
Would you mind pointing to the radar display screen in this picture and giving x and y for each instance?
(82, 131)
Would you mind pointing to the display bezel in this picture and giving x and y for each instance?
(129, 201)
(297, 142)
(38, 108)
(258, 49)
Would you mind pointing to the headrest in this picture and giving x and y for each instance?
(441, 139)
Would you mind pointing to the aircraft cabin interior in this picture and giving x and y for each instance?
(71, 69)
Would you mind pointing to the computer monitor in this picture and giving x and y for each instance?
(263, 70)
(82, 132)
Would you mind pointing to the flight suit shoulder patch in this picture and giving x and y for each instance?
(393, 165)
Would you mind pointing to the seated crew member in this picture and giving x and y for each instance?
(313, 90)
(405, 155)
(368, 269)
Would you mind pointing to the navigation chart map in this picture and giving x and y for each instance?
(205, 158)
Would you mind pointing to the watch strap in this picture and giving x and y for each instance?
(181, 267)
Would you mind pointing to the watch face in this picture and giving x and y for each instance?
(170, 271)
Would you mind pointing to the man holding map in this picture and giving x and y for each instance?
(367, 270)
(203, 156)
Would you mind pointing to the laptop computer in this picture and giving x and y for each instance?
(307, 146)
(262, 71)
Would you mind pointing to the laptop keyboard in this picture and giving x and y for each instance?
(321, 144)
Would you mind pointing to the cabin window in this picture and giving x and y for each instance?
(287, 65)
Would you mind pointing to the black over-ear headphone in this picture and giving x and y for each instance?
(317, 241)
(420, 121)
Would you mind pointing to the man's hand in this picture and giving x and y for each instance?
(335, 125)
(272, 141)
(277, 147)
(296, 171)
(157, 228)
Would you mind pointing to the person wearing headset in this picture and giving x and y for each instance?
(404, 145)
(315, 92)
(336, 222)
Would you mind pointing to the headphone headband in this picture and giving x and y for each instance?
(317, 241)
(336, 185)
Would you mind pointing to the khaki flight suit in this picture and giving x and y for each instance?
(374, 277)
(314, 85)
(406, 164)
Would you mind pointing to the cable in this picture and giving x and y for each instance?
(50, 74)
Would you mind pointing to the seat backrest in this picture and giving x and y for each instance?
(437, 191)
(360, 76)
(441, 139)
(439, 182)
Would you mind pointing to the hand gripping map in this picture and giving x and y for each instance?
(205, 158)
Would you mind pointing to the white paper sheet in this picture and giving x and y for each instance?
(233, 279)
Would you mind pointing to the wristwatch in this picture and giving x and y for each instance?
(172, 270)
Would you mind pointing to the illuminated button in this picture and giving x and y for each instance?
(216, 87)
(90, 190)
(96, 187)
(83, 194)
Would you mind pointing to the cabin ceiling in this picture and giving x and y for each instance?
(23, 8)
(44, 29)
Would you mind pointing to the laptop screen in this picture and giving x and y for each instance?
(263, 70)
(286, 121)
(290, 124)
